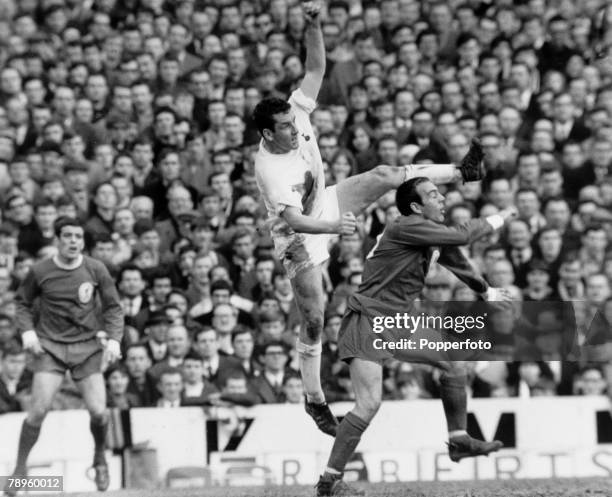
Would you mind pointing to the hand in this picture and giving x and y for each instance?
(500, 298)
(112, 351)
(347, 224)
(508, 213)
(311, 11)
(31, 343)
(498, 295)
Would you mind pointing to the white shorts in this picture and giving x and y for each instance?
(299, 251)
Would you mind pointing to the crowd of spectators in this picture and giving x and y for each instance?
(134, 115)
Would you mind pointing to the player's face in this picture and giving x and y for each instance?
(71, 242)
(285, 133)
(432, 202)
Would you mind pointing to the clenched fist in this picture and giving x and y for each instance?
(347, 224)
(311, 11)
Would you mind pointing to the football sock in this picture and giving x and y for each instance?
(98, 426)
(456, 433)
(454, 400)
(437, 173)
(310, 368)
(27, 439)
(347, 438)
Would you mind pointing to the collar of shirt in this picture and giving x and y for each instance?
(169, 403)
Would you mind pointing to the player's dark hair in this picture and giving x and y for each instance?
(265, 110)
(64, 221)
(407, 194)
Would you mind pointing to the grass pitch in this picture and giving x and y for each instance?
(596, 487)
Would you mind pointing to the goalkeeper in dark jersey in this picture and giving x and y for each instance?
(70, 318)
(393, 279)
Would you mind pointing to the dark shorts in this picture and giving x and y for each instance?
(357, 340)
(82, 359)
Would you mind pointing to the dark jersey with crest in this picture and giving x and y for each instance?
(393, 278)
(395, 269)
(69, 305)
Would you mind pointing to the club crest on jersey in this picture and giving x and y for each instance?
(85, 292)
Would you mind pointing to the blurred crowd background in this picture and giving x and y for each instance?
(134, 115)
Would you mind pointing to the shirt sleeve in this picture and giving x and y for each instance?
(24, 299)
(430, 233)
(453, 259)
(299, 100)
(111, 305)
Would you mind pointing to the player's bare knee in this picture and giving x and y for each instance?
(313, 328)
(308, 349)
(96, 408)
(385, 174)
(99, 417)
(368, 406)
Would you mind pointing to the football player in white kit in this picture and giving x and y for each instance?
(303, 213)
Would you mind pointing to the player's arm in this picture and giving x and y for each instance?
(301, 223)
(453, 259)
(315, 51)
(112, 311)
(430, 233)
(24, 300)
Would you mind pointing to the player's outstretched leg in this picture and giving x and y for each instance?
(366, 377)
(454, 399)
(308, 289)
(44, 387)
(94, 395)
(358, 192)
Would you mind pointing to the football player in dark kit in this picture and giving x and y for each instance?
(63, 305)
(393, 278)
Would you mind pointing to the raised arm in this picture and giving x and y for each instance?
(453, 259)
(315, 51)
(430, 233)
